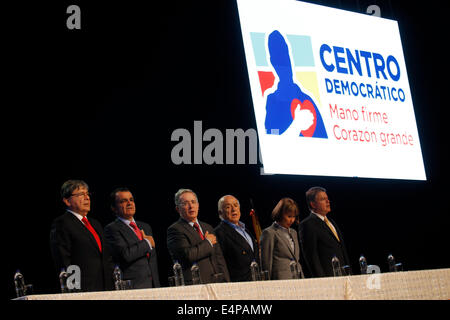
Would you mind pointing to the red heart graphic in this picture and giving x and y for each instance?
(305, 105)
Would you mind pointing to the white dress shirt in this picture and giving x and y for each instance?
(323, 219)
(77, 215)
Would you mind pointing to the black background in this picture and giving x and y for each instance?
(100, 104)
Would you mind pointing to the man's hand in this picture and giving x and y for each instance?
(211, 238)
(303, 119)
(149, 238)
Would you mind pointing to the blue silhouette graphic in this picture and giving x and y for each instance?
(278, 106)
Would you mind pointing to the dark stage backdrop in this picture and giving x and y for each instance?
(100, 104)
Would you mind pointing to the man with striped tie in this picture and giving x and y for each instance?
(78, 240)
(320, 237)
(131, 242)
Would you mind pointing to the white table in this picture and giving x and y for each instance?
(411, 285)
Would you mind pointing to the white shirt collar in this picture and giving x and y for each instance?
(318, 215)
(79, 216)
(191, 223)
(126, 221)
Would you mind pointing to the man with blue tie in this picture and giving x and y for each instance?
(239, 247)
(131, 242)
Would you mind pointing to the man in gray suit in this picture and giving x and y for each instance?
(279, 242)
(190, 240)
(132, 242)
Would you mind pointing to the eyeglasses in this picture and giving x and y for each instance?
(185, 203)
(84, 194)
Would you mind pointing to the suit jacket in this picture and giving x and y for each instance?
(130, 254)
(319, 246)
(186, 246)
(277, 253)
(237, 252)
(72, 243)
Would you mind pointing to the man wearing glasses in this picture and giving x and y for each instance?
(192, 241)
(77, 240)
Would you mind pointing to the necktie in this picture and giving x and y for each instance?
(138, 233)
(88, 225)
(136, 230)
(331, 228)
(197, 227)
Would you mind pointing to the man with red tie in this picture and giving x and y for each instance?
(192, 241)
(131, 242)
(78, 240)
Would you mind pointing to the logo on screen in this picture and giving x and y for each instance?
(288, 59)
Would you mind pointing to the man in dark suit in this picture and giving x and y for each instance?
(320, 237)
(239, 247)
(76, 240)
(131, 242)
(190, 240)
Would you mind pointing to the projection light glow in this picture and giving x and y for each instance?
(330, 92)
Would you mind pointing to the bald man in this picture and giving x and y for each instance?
(239, 247)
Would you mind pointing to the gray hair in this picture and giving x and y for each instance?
(220, 204)
(180, 192)
(312, 193)
(70, 186)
